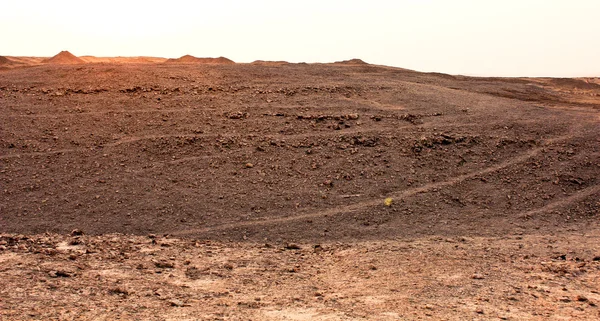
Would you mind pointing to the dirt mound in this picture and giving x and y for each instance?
(570, 83)
(64, 58)
(351, 62)
(188, 59)
(5, 61)
(269, 63)
(123, 60)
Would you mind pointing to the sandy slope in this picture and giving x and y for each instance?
(493, 181)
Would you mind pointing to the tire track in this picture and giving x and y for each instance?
(374, 202)
(94, 113)
(577, 196)
(134, 139)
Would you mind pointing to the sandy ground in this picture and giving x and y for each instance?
(533, 277)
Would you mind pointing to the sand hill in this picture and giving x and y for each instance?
(64, 58)
(188, 59)
(572, 83)
(350, 185)
(351, 62)
(5, 61)
(269, 63)
(123, 60)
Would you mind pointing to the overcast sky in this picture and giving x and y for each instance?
(472, 37)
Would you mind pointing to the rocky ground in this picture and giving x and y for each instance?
(516, 277)
(296, 192)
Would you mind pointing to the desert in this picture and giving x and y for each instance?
(198, 188)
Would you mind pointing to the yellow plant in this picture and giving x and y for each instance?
(388, 201)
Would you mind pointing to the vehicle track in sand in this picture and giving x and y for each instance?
(562, 202)
(379, 201)
(133, 139)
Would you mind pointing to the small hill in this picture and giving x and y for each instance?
(123, 60)
(351, 62)
(188, 59)
(64, 58)
(269, 63)
(572, 83)
(5, 61)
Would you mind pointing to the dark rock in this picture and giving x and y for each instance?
(292, 246)
(164, 265)
(76, 232)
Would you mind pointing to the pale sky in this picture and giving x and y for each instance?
(471, 37)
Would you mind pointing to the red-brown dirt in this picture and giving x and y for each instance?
(492, 181)
(516, 277)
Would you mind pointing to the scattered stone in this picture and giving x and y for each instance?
(582, 298)
(119, 291)
(76, 232)
(477, 276)
(194, 273)
(249, 165)
(60, 274)
(164, 265)
(292, 246)
(237, 115)
(176, 303)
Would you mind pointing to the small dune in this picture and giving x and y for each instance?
(269, 63)
(5, 61)
(351, 62)
(64, 58)
(188, 59)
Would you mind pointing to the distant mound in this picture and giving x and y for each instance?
(351, 62)
(5, 61)
(269, 63)
(64, 58)
(188, 59)
(123, 60)
(571, 83)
